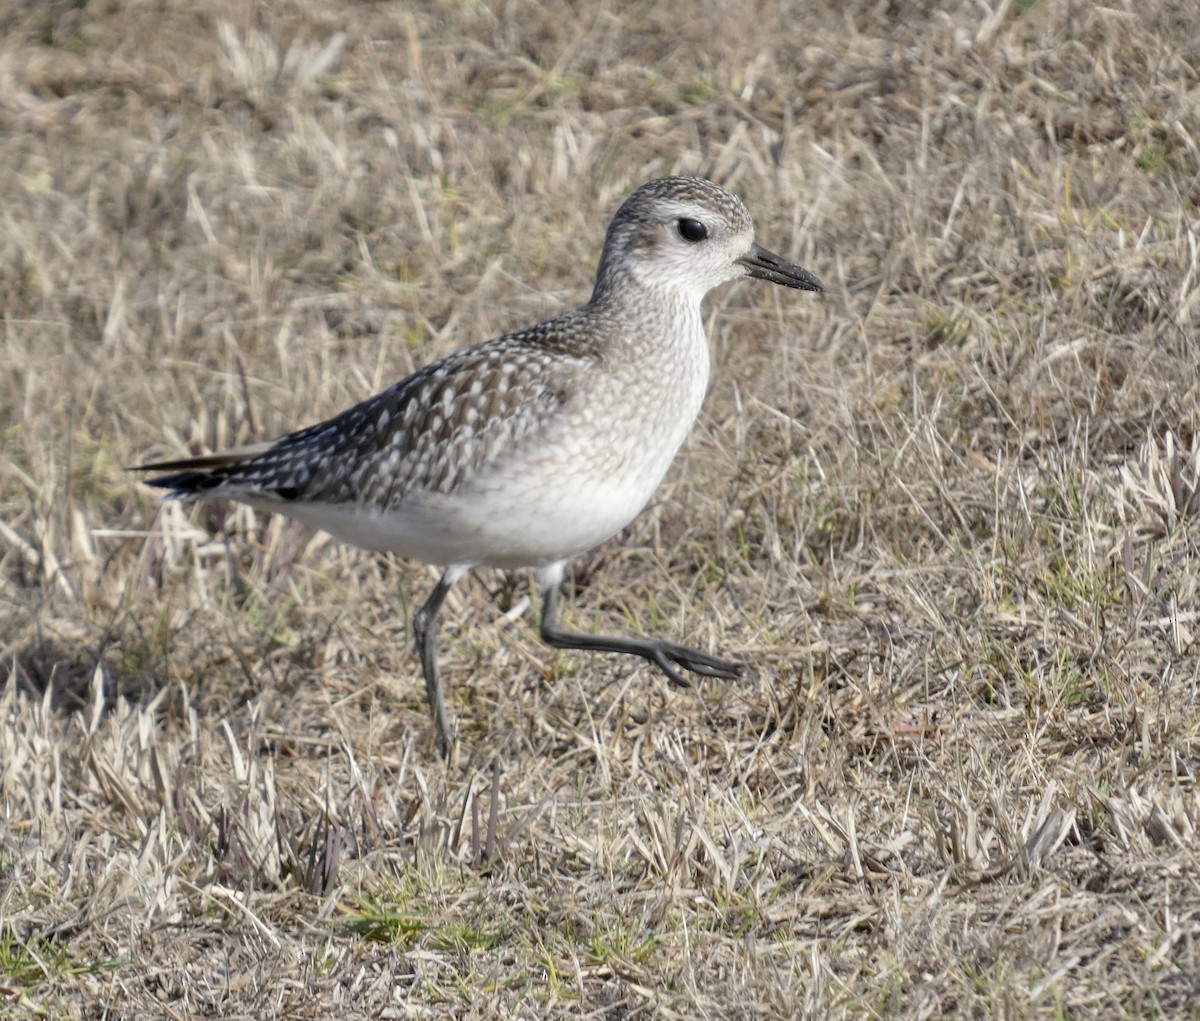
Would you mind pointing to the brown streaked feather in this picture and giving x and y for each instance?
(431, 431)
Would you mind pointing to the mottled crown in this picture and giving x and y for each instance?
(639, 232)
(655, 198)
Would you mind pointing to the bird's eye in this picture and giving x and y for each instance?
(692, 230)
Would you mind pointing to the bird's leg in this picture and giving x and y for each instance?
(426, 622)
(665, 655)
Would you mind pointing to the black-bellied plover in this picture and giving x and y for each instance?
(532, 448)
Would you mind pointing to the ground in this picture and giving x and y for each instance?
(947, 512)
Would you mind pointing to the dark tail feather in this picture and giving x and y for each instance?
(194, 476)
(183, 483)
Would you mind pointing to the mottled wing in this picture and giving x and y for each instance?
(432, 431)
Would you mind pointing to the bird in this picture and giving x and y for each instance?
(527, 450)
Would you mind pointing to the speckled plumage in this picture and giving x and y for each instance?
(533, 447)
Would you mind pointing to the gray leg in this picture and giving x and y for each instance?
(665, 655)
(426, 622)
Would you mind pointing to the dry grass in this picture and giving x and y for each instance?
(948, 511)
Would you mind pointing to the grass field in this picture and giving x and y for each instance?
(948, 511)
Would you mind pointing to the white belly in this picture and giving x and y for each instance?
(553, 495)
(505, 526)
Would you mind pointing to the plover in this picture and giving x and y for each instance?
(526, 450)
